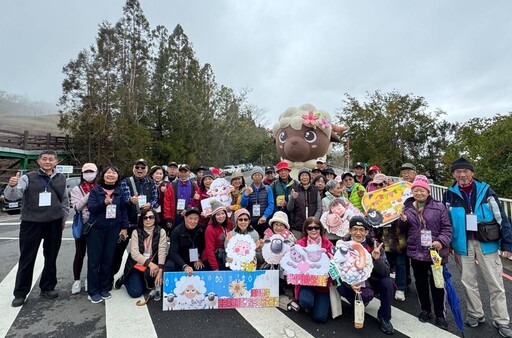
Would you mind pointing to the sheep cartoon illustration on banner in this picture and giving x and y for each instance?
(306, 265)
(241, 253)
(351, 263)
(304, 134)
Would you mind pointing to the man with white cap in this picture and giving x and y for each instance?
(259, 200)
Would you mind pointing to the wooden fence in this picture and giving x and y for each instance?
(27, 141)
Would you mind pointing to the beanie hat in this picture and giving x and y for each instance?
(257, 170)
(461, 163)
(304, 170)
(359, 221)
(241, 212)
(280, 217)
(421, 181)
(216, 206)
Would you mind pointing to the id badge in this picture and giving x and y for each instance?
(426, 238)
(471, 222)
(193, 254)
(181, 204)
(256, 210)
(147, 255)
(45, 199)
(142, 200)
(111, 211)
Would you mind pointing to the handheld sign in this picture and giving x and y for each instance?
(389, 200)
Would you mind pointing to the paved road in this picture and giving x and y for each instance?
(73, 315)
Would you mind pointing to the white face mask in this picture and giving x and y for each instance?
(89, 177)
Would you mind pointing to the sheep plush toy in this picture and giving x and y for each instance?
(304, 134)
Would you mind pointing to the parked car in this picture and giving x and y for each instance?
(71, 182)
(229, 170)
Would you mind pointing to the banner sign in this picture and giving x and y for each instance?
(389, 200)
(220, 290)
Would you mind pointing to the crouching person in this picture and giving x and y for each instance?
(379, 282)
(148, 249)
(187, 245)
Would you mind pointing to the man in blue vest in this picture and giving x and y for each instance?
(473, 205)
(259, 200)
(141, 193)
(44, 212)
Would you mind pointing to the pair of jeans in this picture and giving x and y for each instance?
(101, 246)
(318, 302)
(135, 282)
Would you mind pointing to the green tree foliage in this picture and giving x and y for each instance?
(141, 92)
(486, 142)
(389, 129)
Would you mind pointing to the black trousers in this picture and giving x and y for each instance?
(31, 234)
(425, 286)
(118, 255)
(78, 261)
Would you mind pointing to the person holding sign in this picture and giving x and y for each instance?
(353, 191)
(109, 218)
(314, 298)
(145, 263)
(474, 207)
(379, 281)
(426, 225)
(45, 208)
(187, 245)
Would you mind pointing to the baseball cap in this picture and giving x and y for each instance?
(141, 160)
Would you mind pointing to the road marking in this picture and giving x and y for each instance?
(407, 324)
(123, 317)
(270, 322)
(18, 223)
(10, 313)
(17, 238)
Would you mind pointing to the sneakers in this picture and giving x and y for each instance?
(18, 301)
(425, 316)
(400, 295)
(386, 326)
(473, 321)
(442, 323)
(50, 294)
(105, 295)
(77, 286)
(158, 296)
(95, 299)
(504, 330)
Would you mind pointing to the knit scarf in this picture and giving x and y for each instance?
(87, 187)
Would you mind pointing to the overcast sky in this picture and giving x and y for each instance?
(456, 54)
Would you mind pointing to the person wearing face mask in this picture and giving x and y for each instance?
(140, 193)
(473, 204)
(79, 198)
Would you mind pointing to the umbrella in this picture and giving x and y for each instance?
(453, 300)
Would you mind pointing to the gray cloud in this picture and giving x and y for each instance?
(456, 54)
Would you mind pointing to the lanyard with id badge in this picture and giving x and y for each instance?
(111, 210)
(45, 197)
(471, 218)
(425, 234)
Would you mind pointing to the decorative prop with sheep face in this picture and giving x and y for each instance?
(304, 134)
(241, 252)
(351, 263)
(274, 249)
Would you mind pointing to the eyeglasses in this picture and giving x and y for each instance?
(146, 218)
(243, 219)
(140, 167)
(313, 228)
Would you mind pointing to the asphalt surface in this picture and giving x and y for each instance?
(73, 315)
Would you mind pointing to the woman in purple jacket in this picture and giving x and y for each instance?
(427, 225)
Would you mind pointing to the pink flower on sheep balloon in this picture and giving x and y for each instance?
(324, 123)
(310, 119)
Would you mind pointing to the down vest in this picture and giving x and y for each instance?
(437, 221)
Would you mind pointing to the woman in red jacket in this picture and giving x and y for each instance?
(315, 298)
(215, 235)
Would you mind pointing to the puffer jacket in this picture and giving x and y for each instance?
(354, 197)
(437, 221)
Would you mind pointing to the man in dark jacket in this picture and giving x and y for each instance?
(259, 200)
(472, 203)
(282, 187)
(379, 282)
(43, 215)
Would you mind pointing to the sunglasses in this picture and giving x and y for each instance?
(140, 167)
(313, 228)
(146, 218)
(243, 219)
(379, 185)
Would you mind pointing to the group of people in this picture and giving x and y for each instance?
(161, 212)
